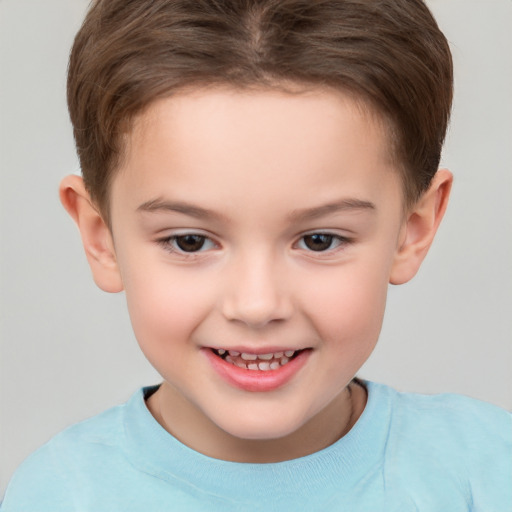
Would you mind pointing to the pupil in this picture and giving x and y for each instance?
(318, 242)
(190, 243)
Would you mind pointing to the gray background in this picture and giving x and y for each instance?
(67, 351)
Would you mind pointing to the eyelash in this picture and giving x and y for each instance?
(168, 243)
(342, 241)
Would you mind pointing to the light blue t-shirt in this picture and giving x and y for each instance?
(407, 452)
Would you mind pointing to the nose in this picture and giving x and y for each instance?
(256, 292)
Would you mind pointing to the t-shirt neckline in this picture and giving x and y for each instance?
(150, 448)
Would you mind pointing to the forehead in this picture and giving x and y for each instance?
(277, 143)
(307, 112)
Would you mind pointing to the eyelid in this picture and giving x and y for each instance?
(327, 232)
(166, 242)
(343, 242)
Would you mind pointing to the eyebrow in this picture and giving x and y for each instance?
(335, 207)
(161, 205)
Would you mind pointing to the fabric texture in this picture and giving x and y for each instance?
(407, 452)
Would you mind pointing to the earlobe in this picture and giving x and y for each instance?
(420, 228)
(96, 235)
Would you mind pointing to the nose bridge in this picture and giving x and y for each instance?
(256, 290)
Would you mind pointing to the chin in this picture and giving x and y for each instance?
(260, 429)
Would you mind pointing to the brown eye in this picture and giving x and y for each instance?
(318, 242)
(190, 243)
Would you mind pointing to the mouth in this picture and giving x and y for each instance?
(257, 372)
(257, 362)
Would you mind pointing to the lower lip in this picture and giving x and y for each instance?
(257, 380)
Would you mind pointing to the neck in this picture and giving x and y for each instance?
(189, 425)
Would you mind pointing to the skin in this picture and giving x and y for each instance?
(270, 168)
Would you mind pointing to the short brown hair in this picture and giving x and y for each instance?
(388, 53)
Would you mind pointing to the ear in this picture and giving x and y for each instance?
(420, 228)
(96, 236)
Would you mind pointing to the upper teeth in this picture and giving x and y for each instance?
(247, 356)
(251, 361)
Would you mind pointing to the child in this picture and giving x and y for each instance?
(255, 173)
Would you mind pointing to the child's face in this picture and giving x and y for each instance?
(258, 223)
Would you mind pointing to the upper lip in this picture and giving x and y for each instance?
(257, 350)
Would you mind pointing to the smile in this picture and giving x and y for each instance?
(253, 372)
(262, 362)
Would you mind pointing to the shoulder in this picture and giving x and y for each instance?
(99, 432)
(450, 417)
(44, 477)
(449, 442)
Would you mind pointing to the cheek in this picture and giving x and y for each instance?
(165, 307)
(348, 308)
